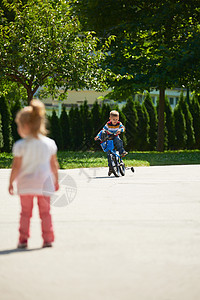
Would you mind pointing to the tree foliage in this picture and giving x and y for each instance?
(156, 45)
(44, 45)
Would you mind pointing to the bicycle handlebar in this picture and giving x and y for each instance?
(109, 137)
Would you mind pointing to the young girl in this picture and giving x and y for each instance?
(35, 170)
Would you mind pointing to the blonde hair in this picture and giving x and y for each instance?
(114, 113)
(34, 116)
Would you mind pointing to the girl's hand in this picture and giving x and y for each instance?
(10, 189)
(56, 186)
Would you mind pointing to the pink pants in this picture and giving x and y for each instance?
(45, 216)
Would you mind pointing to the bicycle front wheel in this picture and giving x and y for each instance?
(113, 163)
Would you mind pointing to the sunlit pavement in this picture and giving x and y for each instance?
(133, 237)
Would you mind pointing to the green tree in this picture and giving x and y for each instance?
(55, 130)
(142, 141)
(180, 128)
(190, 141)
(148, 104)
(130, 112)
(6, 124)
(156, 45)
(65, 129)
(43, 46)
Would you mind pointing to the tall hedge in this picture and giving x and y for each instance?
(195, 111)
(105, 113)
(190, 140)
(153, 119)
(180, 128)
(76, 128)
(56, 130)
(97, 124)
(130, 112)
(87, 126)
(96, 118)
(142, 138)
(14, 109)
(122, 119)
(1, 135)
(6, 124)
(169, 125)
(65, 129)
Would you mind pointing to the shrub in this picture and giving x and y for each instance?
(65, 129)
(142, 141)
(169, 125)
(55, 130)
(6, 124)
(195, 111)
(190, 140)
(130, 112)
(180, 128)
(14, 109)
(153, 119)
(86, 120)
(76, 128)
(1, 135)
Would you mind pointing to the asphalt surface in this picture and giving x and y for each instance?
(133, 237)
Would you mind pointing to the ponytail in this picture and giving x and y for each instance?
(38, 108)
(34, 116)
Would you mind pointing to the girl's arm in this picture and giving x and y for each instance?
(16, 165)
(54, 167)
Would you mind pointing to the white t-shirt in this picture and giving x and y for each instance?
(35, 176)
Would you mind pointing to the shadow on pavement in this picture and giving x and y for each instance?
(11, 251)
(103, 177)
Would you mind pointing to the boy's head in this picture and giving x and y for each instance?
(114, 116)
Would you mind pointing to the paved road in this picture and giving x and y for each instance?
(133, 237)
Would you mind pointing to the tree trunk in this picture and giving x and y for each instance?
(161, 120)
(30, 95)
(188, 96)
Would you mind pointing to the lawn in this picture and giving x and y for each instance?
(70, 160)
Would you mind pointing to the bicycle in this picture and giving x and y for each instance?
(115, 161)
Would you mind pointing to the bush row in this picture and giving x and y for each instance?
(76, 129)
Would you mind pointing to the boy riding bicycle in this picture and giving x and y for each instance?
(114, 127)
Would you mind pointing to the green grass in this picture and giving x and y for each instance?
(182, 157)
(71, 160)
